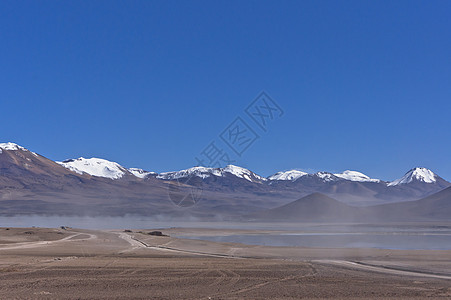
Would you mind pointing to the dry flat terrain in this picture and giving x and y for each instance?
(83, 264)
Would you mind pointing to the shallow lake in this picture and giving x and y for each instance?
(340, 240)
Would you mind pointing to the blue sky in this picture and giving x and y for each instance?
(364, 85)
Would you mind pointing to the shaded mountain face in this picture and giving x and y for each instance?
(433, 207)
(16, 161)
(100, 187)
(315, 207)
(31, 183)
(318, 207)
(22, 170)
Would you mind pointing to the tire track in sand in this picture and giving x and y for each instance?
(381, 269)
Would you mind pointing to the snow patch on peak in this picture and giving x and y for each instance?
(201, 172)
(13, 147)
(292, 175)
(242, 173)
(325, 176)
(355, 176)
(140, 173)
(416, 174)
(95, 167)
(204, 172)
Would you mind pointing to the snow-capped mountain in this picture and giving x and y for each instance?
(12, 147)
(204, 172)
(23, 172)
(356, 176)
(95, 167)
(242, 173)
(201, 172)
(294, 175)
(291, 175)
(325, 176)
(140, 173)
(347, 175)
(416, 175)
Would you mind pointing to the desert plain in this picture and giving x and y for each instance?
(70, 263)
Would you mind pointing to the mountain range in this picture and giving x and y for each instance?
(318, 207)
(33, 184)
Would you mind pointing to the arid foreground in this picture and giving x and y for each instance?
(41, 263)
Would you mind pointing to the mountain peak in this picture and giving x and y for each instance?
(242, 173)
(202, 172)
(205, 172)
(291, 175)
(418, 174)
(11, 147)
(355, 176)
(140, 173)
(95, 167)
(325, 176)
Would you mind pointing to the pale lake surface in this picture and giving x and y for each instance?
(392, 240)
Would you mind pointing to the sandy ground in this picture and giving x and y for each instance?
(18, 235)
(84, 264)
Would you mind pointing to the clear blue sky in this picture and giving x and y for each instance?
(365, 85)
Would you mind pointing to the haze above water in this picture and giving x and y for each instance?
(428, 236)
